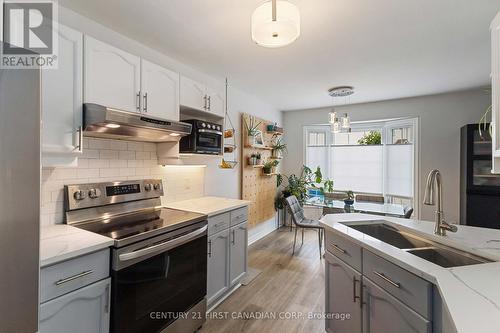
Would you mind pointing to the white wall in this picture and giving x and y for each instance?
(219, 182)
(440, 118)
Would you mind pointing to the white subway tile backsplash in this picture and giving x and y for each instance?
(143, 155)
(108, 154)
(90, 153)
(113, 160)
(118, 145)
(136, 146)
(127, 155)
(117, 163)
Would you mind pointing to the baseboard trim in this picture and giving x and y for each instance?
(223, 298)
(261, 230)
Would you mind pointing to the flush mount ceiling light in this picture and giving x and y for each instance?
(275, 23)
(342, 91)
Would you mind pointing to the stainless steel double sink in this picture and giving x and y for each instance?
(438, 254)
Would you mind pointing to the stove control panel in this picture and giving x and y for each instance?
(98, 194)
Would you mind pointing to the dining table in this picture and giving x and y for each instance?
(378, 208)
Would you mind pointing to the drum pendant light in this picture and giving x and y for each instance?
(275, 23)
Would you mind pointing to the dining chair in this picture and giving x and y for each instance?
(370, 198)
(408, 211)
(300, 221)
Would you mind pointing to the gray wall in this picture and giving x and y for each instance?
(440, 118)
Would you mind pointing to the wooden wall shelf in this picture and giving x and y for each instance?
(256, 186)
(258, 147)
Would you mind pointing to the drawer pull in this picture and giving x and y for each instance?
(74, 277)
(338, 248)
(386, 279)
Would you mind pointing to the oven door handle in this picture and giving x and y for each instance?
(202, 130)
(163, 246)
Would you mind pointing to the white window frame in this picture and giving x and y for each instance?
(385, 128)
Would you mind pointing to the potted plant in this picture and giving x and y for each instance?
(371, 138)
(252, 160)
(259, 158)
(350, 198)
(279, 148)
(327, 189)
(270, 167)
(252, 129)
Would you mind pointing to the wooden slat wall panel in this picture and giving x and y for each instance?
(255, 187)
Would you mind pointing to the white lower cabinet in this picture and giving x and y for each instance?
(82, 311)
(343, 290)
(367, 293)
(227, 253)
(218, 265)
(238, 252)
(75, 295)
(383, 313)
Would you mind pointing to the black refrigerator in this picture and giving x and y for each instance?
(479, 188)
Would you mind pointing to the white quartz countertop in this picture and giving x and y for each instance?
(61, 242)
(470, 293)
(208, 205)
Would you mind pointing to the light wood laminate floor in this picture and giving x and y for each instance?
(288, 286)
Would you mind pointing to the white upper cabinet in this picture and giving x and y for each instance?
(160, 91)
(495, 85)
(112, 76)
(193, 94)
(198, 96)
(62, 102)
(216, 103)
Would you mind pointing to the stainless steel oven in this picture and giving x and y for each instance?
(205, 138)
(159, 258)
(156, 280)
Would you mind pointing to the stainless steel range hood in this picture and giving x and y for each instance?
(103, 122)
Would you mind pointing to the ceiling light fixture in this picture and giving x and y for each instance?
(338, 124)
(275, 23)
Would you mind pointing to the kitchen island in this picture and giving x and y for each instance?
(469, 295)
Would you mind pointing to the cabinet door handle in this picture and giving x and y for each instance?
(106, 307)
(74, 277)
(234, 237)
(386, 279)
(354, 296)
(79, 147)
(138, 101)
(209, 102)
(205, 102)
(210, 249)
(145, 109)
(338, 248)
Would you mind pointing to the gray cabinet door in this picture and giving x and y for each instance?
(238, 252)
(385, 314)
(218, 265)
(342, 301)
(81, 311)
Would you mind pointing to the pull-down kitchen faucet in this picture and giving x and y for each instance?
(441, 226)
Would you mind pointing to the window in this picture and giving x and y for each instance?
(386, 169)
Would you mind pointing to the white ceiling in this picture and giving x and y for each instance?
(384, 48)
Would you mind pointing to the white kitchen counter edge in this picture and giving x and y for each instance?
(193, 205)
(62, 242)
(471, 294)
